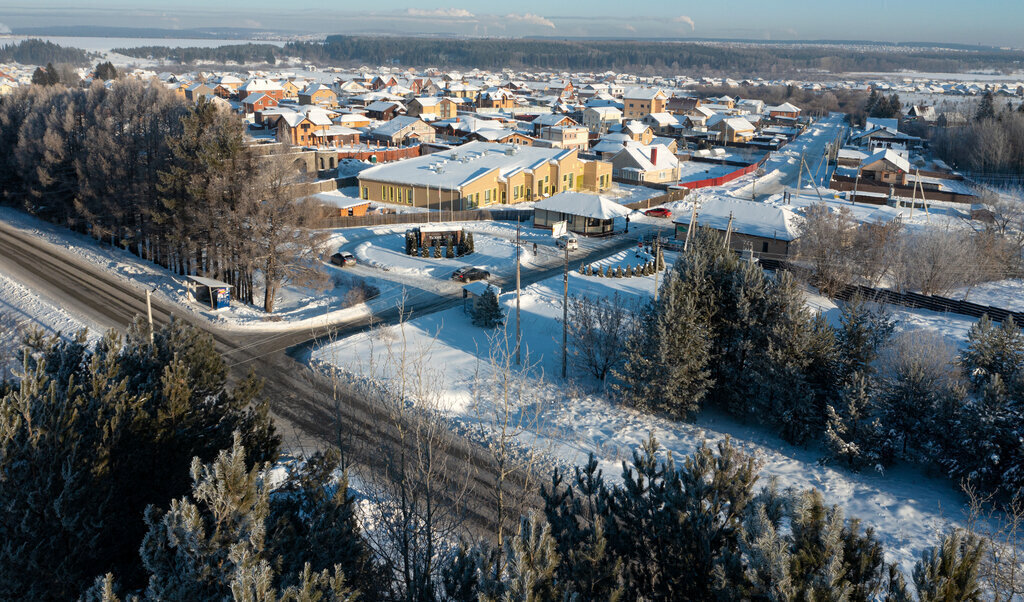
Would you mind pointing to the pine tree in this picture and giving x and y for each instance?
(448, 251)
(862, 333)
(992, 350)
(470, 247)
(437, 250)
(487, 312)
(950, 571)
(852, 433)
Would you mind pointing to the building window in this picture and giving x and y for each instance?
(515, 193)
(487, 196)
(366, 193)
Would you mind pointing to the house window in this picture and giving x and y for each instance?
(764, 247)
(515, 193)
(487, 196)
(570, 182)
(366, 193)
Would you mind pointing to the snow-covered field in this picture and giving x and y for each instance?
(29, 309)
(568, 420)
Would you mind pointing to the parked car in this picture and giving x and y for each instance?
(343, 259)
(567, 240)
(658, 212)
(470, 274)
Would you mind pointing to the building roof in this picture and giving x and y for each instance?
(748, 217)
(396, 125)
(784, 108)
(889, 156)
(383, 105)
(462, 165)
(480, 287)
(580, 203)
(641, 156)
(643, 93)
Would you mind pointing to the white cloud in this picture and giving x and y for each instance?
(531, 18)
(687, 20)
(4, 28)
(460, 13)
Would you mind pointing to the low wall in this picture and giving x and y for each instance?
(845, 183)
(729, 177)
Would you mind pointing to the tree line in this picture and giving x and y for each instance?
(992, 143)
(131, 470)
(136, 167)
(39, 52)
(648, 57)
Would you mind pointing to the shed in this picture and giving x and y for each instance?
(767, 229)
(212, 293)
(471, 293)
(588, 214)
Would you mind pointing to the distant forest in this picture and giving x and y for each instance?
(238, 53)
(38, 52)
(600, 55)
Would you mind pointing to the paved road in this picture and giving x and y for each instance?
(310, 409)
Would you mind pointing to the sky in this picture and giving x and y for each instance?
(991, 22)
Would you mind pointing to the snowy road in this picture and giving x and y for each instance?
(782, 171)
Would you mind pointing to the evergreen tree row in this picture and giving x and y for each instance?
(724, 333)
(136, 167)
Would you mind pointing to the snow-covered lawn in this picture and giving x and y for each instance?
(908, 508)
(628, 193)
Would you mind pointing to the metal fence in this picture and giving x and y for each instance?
(425, 217)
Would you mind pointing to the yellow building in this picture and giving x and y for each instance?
(640, 102)
(479, 174)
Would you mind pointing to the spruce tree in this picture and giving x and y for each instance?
(448, 251)
(862, 332)
(487, 312)
(950, 571)
(986, 107)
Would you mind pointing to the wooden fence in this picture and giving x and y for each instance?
(913, 300)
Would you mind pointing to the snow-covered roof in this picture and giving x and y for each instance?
(383, 105)
(396, 125)
(748, 217)
(642, 93)
(891, 156)
(784, 108)
(641, 155)
(480, 287)
(580, 203)
(462, 165)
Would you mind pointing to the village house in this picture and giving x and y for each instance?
(401, 131)
(298, 129)
(258, 101)
(432, 108)
(550, 120)
(764, 229)
(646, 164)
(598, 120)
(478, 174)
(734, 129)
(336, 136)
(566, 136)
(196, 91)
(384, 110)
(661, 124)
(266, 86)
(784, 110)
(496, 98)
(639, 102)
(290, 89)
(886, 167)
(318, 94)
(636, 131)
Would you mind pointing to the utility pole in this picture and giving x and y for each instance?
(689, 229)
(519, 336)
(728, 231)
(149, 313)
(856, 181)
(800, 173)
(565, 316)
(654, 248)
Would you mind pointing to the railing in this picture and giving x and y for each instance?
(425, 217)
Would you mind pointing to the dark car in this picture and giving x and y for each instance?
(658, 212)
(469, 274)
(343, 259)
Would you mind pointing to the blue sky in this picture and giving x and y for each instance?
(996, 22)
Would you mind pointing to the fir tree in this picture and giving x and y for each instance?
(996, 350)
(448, 251)
(852, 433)
(986, 107)
(862, 333)
(470, 247)
(487, 312)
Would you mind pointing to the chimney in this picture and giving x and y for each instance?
(654, 155)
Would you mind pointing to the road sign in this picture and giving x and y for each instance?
(559, 228)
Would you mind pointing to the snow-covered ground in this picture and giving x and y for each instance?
(568, 420)
(296, 306)
(29, 309)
